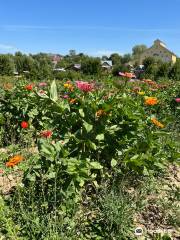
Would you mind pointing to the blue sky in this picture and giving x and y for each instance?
(96, 27)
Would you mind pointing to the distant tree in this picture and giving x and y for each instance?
(18, 54)
(163, 70)
(119, 68)
(62, 64)
(126, 58)
(148, 61)
(6, 65)
(115, 58)
(138, 50)
(91, 66)
(104, 58)
(150, 67)
(175, 71)
(72, 52)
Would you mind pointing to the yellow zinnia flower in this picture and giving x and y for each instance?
(141, 93)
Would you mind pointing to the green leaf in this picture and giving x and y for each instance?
(113, 162)
(51, 175)
(53, 91)
(81, 112)
(33, 112)
(92, 145)
(47, 150)
(100, 137)
(96, 165)
(87, 126)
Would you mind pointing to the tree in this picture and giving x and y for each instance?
(126, 58)
(175, 71)
(104, 58)
(138, 50)
(115, 58)
(163, 70)
(6, 65)
(91, 66)
(119, 68)
(150, 67)
(72, 52)
(148, 61)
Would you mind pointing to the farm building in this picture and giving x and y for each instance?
(159, 50)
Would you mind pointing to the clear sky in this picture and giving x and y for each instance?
(96, 27)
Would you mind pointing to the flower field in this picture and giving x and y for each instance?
(77, 149)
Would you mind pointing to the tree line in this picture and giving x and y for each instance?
(41, 67)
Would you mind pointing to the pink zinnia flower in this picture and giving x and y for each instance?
(85, 86)
(177, 100)
(42, 84)
(65, 96)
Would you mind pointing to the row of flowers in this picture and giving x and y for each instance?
(85, 87)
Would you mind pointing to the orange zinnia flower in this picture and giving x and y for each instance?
(14, 161)
(100, 113)
(8, 86)
(151, 101)
(73, 100)
(157, 123)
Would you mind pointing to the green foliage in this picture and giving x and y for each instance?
(175, 71)
(119, 68)
(6, 65)
(138, 50)
(91, 66)
(100, 136)
(115, 58)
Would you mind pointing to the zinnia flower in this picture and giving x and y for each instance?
(42, 92)
(177, 100)
(65, 96)
(100, 113)
(24, 124)
(141, 93)
(29, 87)
(85, 86)
(136, 89)
(46, 133)
(14, 161)
(151, 101)
(69, 86)
(7, 86)
(42, 84)
(157, 123)
(73, 100)
(127, 75)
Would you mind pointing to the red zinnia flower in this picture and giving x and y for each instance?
(24, 124)
(29, 87)
(46, 133)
